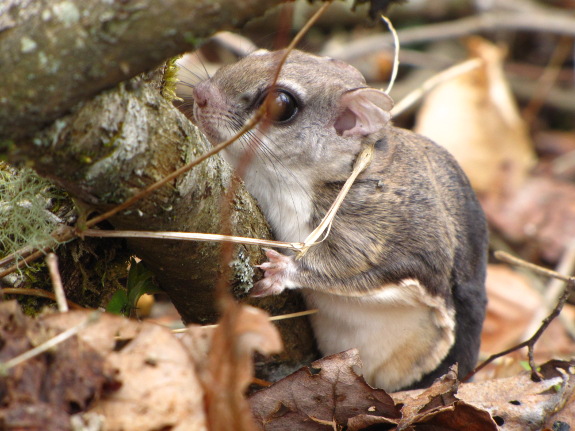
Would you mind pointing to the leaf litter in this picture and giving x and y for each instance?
(133, 375)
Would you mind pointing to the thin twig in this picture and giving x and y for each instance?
(548, 78)
(37, 292)
(301, 33)
(530, 343)
(52, 263)
(52, 342)
(22, 262)
(23, 252)
(508, 258)
(434, 81)
(553, 292)
(62, 233)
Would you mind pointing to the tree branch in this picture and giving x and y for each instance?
(56, 53)
(544, 20)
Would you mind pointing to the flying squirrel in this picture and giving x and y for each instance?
(401, 275)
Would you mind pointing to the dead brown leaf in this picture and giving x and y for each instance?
(541, 213)
(151, 380)
(159, 390)
(331, 395)
(224, 361)
(327, 394)
(440, 394)
(512, 305)
(156, 388)
(475, 117)
(42, 392)
(515, 403)
(437, 408)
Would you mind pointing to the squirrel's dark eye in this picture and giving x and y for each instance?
(281, 106)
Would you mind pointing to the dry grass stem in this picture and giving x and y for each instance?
(396, 54)
(191, 236)
(52, 263)
(52, 342)
(363, 159)
(271, 319)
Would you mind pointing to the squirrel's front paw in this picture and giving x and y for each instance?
(276, 274)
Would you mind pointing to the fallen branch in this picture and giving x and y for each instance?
(543, 21)
(74, 50)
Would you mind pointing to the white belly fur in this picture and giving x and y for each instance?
(401, 332)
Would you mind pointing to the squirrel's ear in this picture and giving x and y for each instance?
(364, 111)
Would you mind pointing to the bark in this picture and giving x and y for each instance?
(111, 146)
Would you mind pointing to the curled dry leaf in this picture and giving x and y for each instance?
(440, 394)
(518, 403)
(224, 362)
(475, 117)
(565, 411)
(328, 392)
(438, 408)
(515, 403)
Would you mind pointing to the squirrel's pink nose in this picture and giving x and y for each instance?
(200, 94)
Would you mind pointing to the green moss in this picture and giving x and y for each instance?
(170, 79)
(193, 40)
(6, 147)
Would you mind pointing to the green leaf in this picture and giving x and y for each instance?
(140, 281)
(118, 304)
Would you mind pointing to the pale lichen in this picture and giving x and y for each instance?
(27, 45)
(67, 13)
(26, 205)
(243, 272)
